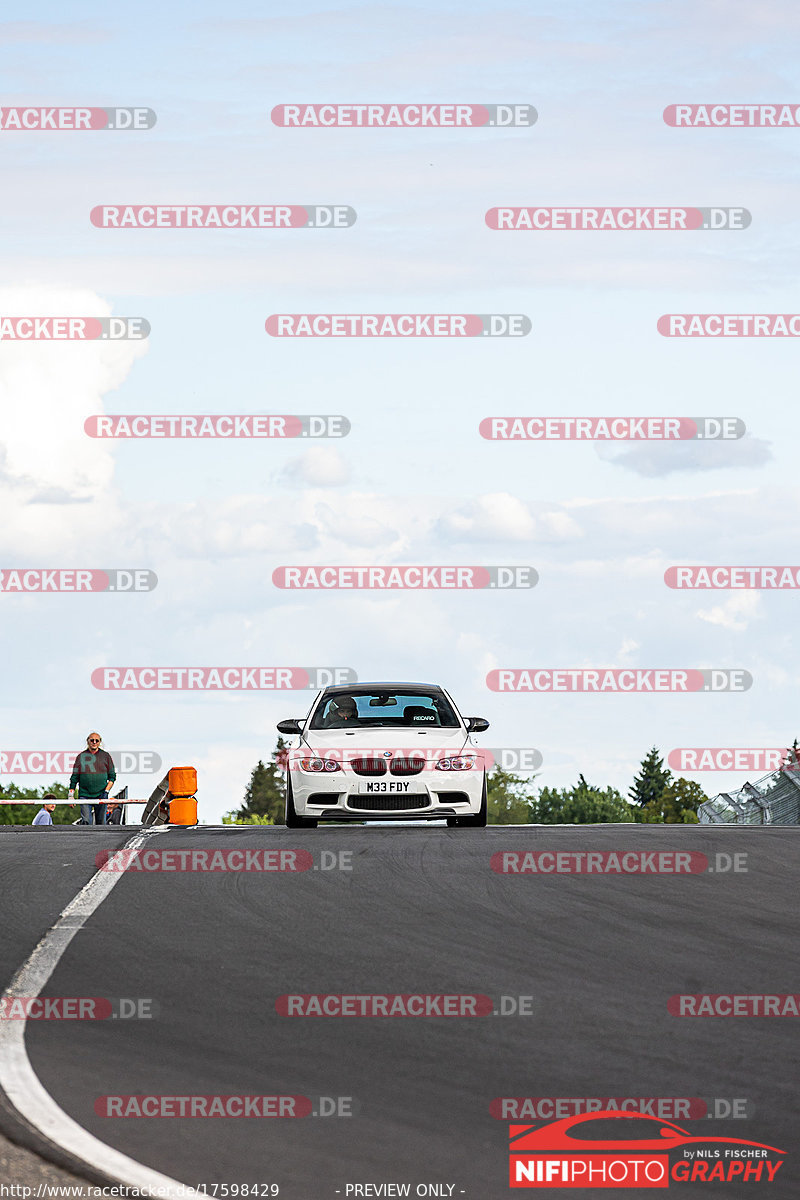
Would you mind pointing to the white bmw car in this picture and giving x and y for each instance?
(384, 751)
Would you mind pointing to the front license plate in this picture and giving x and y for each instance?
(384, 785)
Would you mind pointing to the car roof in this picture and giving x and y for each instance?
(385, 685)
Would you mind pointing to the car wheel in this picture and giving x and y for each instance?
(292, 819)
(475, 820)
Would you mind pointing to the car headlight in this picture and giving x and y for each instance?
(317, 765)
(464, 763)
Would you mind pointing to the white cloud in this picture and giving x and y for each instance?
(500, 516)
(751, 526)
(627, 651)
(653, 459)
(321, 466)
(735, 613)
(351, 524)
(48, 389)
(56, 482)
(237, 527)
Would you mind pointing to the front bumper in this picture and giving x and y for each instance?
(342, 795)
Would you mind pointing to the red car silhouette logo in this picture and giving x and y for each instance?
(574, 1133)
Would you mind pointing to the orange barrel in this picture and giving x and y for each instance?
(182, 789)
(182, 781)
(183, 811)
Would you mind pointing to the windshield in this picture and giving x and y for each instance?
(381, 709)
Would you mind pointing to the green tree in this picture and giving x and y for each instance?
(251, 819)
(677, 804)
(651, 781)
(265, 795)
(791, 761)
(579, 805)
(23, 814)
(508, 798)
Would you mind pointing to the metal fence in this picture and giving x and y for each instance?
(156, 807)
(772, 800)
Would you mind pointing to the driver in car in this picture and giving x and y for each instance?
(343, 711)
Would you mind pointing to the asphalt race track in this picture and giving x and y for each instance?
(420, 911)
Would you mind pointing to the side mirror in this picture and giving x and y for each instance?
(290, 727)
(477, 724)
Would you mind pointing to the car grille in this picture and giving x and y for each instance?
(368, 766)
(388, 803)
(326, 799)
(406, 766)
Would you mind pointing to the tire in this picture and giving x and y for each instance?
(292, 819)
(152, 814)
(475, 820)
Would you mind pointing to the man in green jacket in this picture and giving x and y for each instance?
(93, 774)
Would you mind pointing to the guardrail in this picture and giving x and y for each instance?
(173, 801)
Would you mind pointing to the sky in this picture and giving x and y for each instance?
(413, 482)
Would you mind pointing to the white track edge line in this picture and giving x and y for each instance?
(19, 1080)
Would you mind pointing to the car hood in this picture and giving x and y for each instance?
(371, 741)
